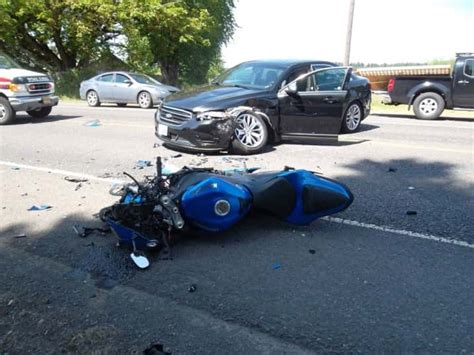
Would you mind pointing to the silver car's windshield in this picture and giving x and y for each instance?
(7, 63)
(252, 76)
(144, 79)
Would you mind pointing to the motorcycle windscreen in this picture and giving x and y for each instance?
(316, 196)
(215, 204)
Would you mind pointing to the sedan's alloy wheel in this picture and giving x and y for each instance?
(353, 117)
(3, 112)
(428, 106)
(92, 98)
(249, 131)
(144, 99)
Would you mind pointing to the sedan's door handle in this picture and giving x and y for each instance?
(463, 81)
(329, 99)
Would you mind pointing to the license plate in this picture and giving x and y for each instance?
(46, 100)
(162, 130)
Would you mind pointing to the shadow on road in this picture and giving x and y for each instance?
(412, 117)
(25, 119)
(332, 289)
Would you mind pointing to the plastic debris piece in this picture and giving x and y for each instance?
(276, 266)
(18, 236)
(140, 260)
(156, 145)
(75, 179)
(411, 213)
(169, 169)
(177, 156)
(192, 288)
(78, 186)
(411, 188)
(142, 164)
(94, 123)
(15, 168)
(85, 231)
(39, 207)
(392, 170)
(312, 251)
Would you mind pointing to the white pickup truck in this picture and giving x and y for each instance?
(24, 90)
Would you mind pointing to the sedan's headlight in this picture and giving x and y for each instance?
(212, 115)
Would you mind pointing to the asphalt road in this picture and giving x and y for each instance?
(373, 279)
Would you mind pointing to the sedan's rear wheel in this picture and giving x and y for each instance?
(92, 98)
(352, 118)
(144, 100)
(250, 134)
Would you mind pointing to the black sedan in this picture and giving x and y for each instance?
(259, 102)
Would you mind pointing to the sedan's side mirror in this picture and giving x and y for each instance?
(129, 82)
(292, 89)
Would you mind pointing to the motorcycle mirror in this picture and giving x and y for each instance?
(140, 260)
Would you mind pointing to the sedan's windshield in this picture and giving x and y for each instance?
(252, 76)
(144, 79)
(7, 62)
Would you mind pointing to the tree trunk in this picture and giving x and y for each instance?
(169, 71)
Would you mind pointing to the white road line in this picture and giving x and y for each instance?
(431, 237)
(61, 172)
(329, 219)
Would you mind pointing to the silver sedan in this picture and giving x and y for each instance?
(124, 88)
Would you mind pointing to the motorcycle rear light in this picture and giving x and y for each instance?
(391, 85)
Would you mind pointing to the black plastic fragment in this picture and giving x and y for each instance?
(192, 288)
(155, 349)
(411, 213)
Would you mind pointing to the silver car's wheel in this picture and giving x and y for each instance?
(250, 134)
(92, 98)
(144, 100)
(352, 118)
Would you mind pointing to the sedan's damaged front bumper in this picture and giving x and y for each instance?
(194, 133)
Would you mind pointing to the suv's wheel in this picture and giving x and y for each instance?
(352, 118)
(250, 134)
(40, 113)
(92, 98)
(428, 106)
(144, 100)
(7, 115)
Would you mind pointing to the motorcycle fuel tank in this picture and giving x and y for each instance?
(215, 204)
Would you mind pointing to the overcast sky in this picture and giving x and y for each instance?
(384, 31)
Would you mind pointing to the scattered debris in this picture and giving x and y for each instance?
(276, 266)
(312, 251)
(24, 194)
(75, 179)
(177, 156)
(156, 145)
(78, 186)
(85, 231)
(411, 213)
(142, 164)
(411, 188)
(155, 349)
(39, 208)
(94, 123)
(15, 168)
(106, 175)
(140, 260)
(392, 170)
(169, 169)
(201, 155)
(10, 302)
(192, 288)
(18, 236)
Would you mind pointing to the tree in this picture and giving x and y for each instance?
(181, 37)
(57, 34)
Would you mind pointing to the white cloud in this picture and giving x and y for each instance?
(383, 31)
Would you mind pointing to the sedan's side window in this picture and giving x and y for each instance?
(107, 77)
(120, 78)
(327, 80)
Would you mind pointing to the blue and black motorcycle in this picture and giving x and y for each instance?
(150, 213)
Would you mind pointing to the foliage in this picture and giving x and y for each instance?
(57, 34)
(180, 37)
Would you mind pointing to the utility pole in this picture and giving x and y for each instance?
(347, 53)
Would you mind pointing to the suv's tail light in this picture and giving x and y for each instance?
(391, 85)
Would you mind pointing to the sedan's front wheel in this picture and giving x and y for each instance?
(144, 100)
(250, 134)
(352, 118)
